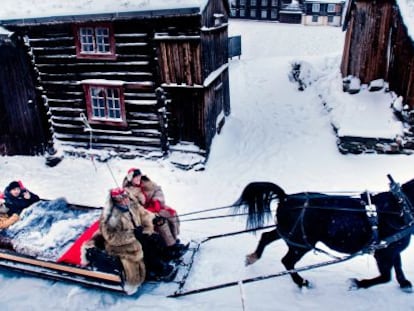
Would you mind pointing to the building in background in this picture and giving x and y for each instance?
(307, 12)
(323, 12)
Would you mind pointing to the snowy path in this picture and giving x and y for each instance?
(274, 133)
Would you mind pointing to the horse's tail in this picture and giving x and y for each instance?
(255, 200)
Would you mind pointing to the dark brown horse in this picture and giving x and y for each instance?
(340, 222)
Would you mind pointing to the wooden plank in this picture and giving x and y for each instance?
(61, 267)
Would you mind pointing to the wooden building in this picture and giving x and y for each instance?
(323, 12)
(24, 129)
(134, 80)
(379, 44)
(258, 9)
(291, 12)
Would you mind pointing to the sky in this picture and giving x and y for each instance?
(274, 133)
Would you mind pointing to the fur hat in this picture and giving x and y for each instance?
(13, 185)
(132, 172)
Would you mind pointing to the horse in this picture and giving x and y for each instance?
(341, 222)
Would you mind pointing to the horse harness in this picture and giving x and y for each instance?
(407, 211)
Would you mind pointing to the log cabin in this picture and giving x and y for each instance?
(134, 78)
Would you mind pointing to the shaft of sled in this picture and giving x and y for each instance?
(263, 277)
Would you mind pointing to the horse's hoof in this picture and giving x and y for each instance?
(251, 259)
(306, 284)
(406, 287)
(353, 284)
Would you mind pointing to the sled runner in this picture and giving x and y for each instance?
(24, 247)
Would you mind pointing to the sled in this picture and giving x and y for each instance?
(67, 266)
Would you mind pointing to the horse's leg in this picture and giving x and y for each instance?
(386, 259)
(385, 263)
(293, 255)
(404, 283)
(267, 238)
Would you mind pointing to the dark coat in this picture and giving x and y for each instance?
(17, 204)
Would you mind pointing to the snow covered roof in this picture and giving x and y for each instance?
(407, 13)
(31, 9)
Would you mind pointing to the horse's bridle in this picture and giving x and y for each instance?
(402, 199)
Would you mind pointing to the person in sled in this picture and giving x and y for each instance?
(16, 199)
(128, 234)
(143, 191)
(6, 220)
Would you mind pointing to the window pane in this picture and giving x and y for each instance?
(330, 19)
(264, 2)
(314, 18)
(253, 2)
(274, 2)
(242, 2)
(252, 13)
(86, 40)
(114, 104)
(242, 12)
(102, 40)
(264, 13)
(98, 102)
(273, 14)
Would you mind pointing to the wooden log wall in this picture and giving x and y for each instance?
(216, 106)
(180, 60)
(401, 71)
(23, 121)
(366, 41)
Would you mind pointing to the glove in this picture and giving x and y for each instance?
(138, 232)
(159, 220)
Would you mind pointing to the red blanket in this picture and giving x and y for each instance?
(73, 254)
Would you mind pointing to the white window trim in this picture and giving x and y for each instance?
(316, 7)
(331, 8)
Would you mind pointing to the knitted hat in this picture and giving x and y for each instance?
(13, 185)
(133, 172)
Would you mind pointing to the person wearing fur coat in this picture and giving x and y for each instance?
(117, 228)
(147, 193)
(127, 233)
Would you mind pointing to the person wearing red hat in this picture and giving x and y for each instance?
(147, 193)
(14, 200)
(128, 234)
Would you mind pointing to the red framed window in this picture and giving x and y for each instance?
(94, 41)
(105, 103)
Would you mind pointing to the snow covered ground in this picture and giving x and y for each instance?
(274, 133)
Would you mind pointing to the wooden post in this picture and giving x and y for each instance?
(163, 119)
